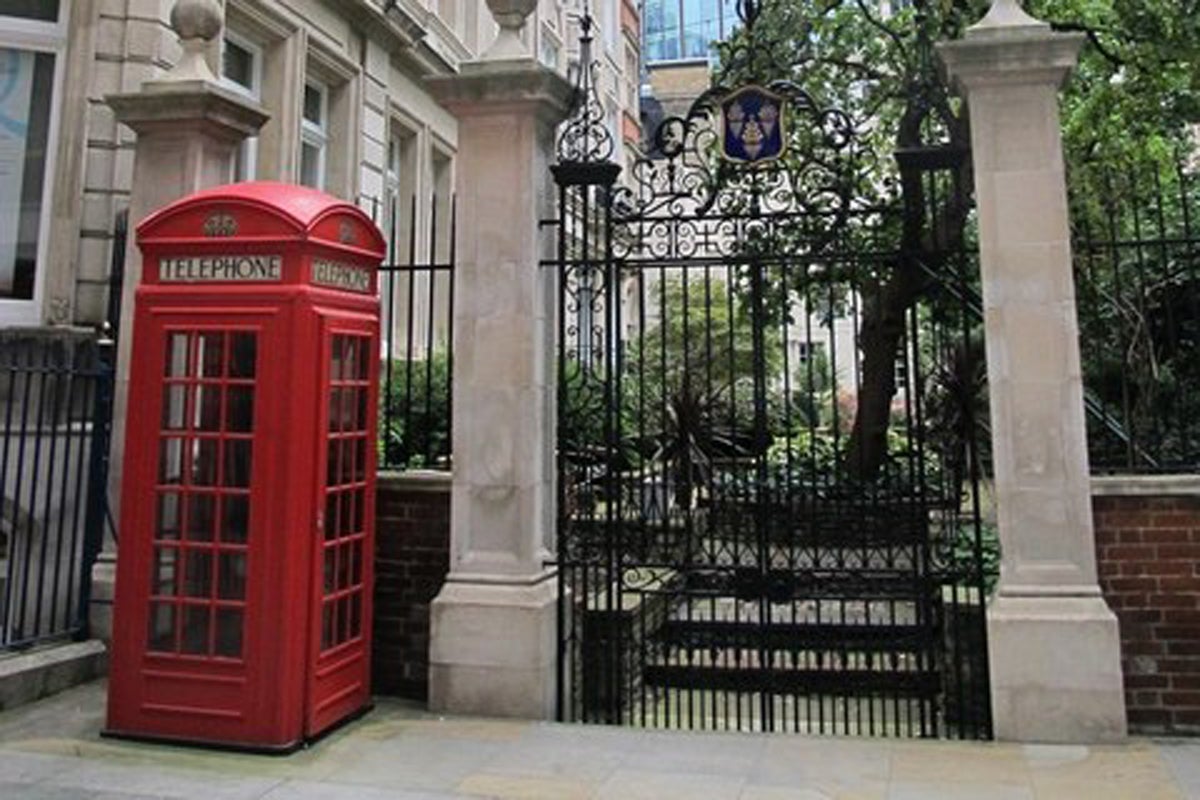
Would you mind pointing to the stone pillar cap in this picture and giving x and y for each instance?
(480, 86)
(1012, 55)
(180, 104)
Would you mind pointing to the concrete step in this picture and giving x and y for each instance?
(34, 674)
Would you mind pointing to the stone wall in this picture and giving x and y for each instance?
(412, 557)
(1148, 552)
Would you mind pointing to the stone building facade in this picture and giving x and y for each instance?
(346, 86)
(343, 82)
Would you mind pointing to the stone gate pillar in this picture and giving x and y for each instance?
(493, 629)
(188, 131)
(1054, 652)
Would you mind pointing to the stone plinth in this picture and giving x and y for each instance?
(493, 645)
(1053, 645)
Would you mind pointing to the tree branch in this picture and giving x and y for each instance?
(879, 24)
(1093, 36)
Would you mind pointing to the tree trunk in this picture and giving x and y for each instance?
(928, 235)
(880, 341)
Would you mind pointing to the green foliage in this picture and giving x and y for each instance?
(701, 350)
(814, 451)
(968, 555)
(956, 404)
(848, 57)
(1136, 88)
(684, 399)
(1129, 103)
(415, 413)
(812, 388)
(1130, 114)
(704, 335)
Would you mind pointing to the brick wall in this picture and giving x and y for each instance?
(1148, 549)
(412, 557)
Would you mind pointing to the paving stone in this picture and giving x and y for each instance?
(42, 791)
(699, 754)
(157, 781)
(414, 763)
(815, 792)
(1183, 759)
(781, 793)
(640, 785)
(575, 759)
(526, 787)
(802, 760)
(1077, 789)
(908, 790)
(1001, 765)
(316, 790)
(52, 751)
(1137, 762)
(27, 768)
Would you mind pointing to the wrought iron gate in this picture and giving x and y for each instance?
(742, 542)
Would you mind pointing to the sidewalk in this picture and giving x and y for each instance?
(51, 751)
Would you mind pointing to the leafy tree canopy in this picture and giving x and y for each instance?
(1132, 106)
(1132, 99)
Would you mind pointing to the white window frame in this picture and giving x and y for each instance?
(256, 65)
(549, 45)
(40, 37)
(315, 135)
(249, 147)
(393, 176)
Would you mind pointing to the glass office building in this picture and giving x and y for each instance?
(684, 30)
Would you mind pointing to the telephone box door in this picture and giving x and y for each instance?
(339, 681)
(188, 647)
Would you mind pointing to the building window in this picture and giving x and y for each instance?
(241, 70)
(39, 10)
(32, 37)
(314, 135)
(678, 30)
(548, 48)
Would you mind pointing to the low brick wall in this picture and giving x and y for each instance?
(412, 557)
(1148, 551)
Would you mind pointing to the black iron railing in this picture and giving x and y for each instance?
(1137, 272)
(55, 414)
(417, 291)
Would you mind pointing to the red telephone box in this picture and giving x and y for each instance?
(243, 598)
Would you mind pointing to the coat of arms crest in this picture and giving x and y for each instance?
(752, 126)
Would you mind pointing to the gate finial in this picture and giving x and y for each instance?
(749, 10)
(586, 139)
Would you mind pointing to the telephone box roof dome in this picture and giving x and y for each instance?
(301, 203)
(295, 207)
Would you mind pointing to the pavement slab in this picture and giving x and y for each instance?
(52, 750)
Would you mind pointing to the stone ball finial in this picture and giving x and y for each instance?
(197, 22)
(197, 19)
